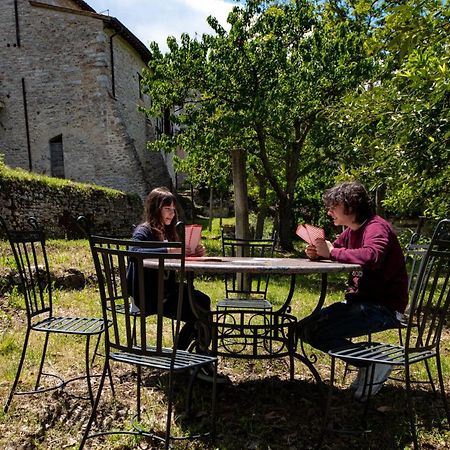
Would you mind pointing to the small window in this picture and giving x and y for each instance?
(57, 157)
(139, 85)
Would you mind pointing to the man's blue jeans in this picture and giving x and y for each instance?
(334, 325)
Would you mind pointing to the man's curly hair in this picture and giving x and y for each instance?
(353, 196)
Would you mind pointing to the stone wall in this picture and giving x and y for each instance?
(57, 203)
(69, 73)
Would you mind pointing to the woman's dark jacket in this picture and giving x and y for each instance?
(143, 233)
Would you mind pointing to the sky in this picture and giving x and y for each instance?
(155, 20)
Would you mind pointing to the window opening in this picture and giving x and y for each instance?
(57, 157)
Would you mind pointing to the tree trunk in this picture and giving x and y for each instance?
(193, 205)
(285, 223)
(262, 213)
(241, 211)
(210, 207)
(239, 158)
(380, 194)
(220, 210)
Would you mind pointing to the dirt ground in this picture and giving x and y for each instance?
(260, 409)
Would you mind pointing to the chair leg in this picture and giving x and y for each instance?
(291, 367)
(409, 405)
(368, 384)
(111, 381)
(95, 405)
(430, 378)
(109, 367)
(214, 403)
(169, 411)
(346, 371)
(190, 387)
(41, 365)
(326, 414)
(88, 373)
(442, 387)
(19, 370)
(96, 349)
(138, 393)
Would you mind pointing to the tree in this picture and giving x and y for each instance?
(262, 87)
(398, 126)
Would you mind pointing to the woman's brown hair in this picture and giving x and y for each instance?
(155, 201)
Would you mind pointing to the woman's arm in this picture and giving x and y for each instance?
(143, 234)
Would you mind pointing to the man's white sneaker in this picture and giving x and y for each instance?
(381, 374)
(206, 373)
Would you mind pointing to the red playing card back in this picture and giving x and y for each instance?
(193, 234)
(309, 233)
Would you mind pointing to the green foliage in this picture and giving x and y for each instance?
(395, 133)
(315, 93)
(262, 87)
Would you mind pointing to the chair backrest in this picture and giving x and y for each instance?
(431, 296)
(28, 247)
(414, 252)
(247, 285)
(113, 259)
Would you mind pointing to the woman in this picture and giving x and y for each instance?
(159, 224)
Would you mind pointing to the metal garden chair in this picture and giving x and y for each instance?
(132, 339)
(244, 325)
(246, 290)
(415, 250)
(254, 334)
(31, 260)
(430, 306)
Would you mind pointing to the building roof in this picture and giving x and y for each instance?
(109, 21)
(84, 5)
(118, 26)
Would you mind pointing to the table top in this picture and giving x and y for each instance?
(228, 264)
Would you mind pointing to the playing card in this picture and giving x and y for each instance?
(309, 233)
(193, 233)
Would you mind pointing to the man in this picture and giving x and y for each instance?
(376, 295)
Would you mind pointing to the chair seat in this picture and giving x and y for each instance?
(373, 352)
(183, 360)
(71, 325)
(244, 303)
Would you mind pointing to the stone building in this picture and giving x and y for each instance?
(69, 96)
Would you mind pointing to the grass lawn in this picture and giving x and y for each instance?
(261, 409)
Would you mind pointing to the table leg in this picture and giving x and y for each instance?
(286, 307)
(310, 359)
(323, 293)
